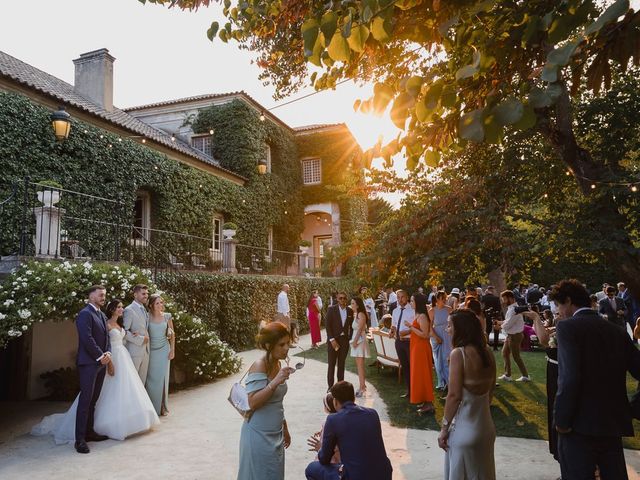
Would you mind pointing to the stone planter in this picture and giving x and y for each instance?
(48, 197)
(228, 234)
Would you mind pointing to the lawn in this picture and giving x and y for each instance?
(518, 409)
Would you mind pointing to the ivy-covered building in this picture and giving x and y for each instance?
(182, 166)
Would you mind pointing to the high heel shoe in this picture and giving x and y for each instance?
(426, 409)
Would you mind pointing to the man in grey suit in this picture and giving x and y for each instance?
(136, 325)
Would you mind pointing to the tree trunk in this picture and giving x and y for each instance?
(619, 251)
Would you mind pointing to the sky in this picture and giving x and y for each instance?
(164, 54)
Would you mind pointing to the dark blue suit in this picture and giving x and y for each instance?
(594, 356)
(357, 433)
(93, 342)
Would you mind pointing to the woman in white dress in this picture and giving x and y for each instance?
(359, 347)
(123, 408)
(468, 433)
(370, 306)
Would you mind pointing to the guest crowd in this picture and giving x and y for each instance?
(443, 344)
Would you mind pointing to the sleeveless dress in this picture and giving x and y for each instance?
(123, 408)
(157, 383)
(421, 363)
(471, 441)
(441, 351)
(314, 320)
(362, 350)
(261, 436)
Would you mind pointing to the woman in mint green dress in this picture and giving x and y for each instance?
(161, 351)
(265, 435)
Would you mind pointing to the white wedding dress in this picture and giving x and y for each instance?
(123, 408)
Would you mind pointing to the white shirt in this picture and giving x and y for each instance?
(393, 298)
(513, 322)
(407, 314)
(283, 303)
(343, 314)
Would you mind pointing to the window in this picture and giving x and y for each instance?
(202, 143)
(267, 153)
(217, 233)
(141, 218)
(311, 171)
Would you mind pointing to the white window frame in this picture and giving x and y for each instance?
(267, 150)
(219, 219)
(203, 137)
(270, 243)
(145, 220)
(311, 162)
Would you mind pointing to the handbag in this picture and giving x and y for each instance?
(239, 399)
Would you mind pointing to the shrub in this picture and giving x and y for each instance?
(42, 291)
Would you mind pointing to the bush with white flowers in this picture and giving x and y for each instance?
(56, 291)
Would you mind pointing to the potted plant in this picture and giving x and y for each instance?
(50, 193)
(229, 230)
(304, 246)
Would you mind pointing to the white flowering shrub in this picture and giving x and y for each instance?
(54, 291)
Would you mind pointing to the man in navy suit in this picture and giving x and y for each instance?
(338, 324)
(94, 354)
(357, 433)
(592, 411)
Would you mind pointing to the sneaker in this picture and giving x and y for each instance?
(523, 379)
(505, 378)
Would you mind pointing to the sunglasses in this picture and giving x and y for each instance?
(342, 298)
(299, 365)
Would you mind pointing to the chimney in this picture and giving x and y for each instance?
(94, 77)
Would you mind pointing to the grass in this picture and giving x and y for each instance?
(518, 409)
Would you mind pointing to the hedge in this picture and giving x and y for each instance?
(234, 305)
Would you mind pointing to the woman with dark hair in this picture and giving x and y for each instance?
(111, 309)
(314, 306)
(420, 356)
(264, 435)
(440, 340)
(162, 341)
(468, 433)
(315, 442)
(475, 306)
(359, 347)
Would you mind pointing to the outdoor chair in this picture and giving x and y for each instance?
(197, 262)
(174, 262)
(386, 351)
(241, 268)
(255, 264)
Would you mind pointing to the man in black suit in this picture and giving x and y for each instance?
(94, 354)
(613, 307)
(339, 320)
(592, 411)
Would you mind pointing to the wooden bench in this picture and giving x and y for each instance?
(386, 351)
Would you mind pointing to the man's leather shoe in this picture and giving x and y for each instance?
(94, 437)
(82, 447)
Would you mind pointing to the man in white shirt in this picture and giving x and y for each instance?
(283, 313)
(513, 326)
(402, 334)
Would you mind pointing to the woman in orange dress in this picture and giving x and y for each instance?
(420, 356)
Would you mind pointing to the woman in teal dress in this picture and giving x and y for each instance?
(265, 435)
(162, 343)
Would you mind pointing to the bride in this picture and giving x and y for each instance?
(122, 387)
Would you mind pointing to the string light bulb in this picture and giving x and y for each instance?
(262, 117)
(567, 172)
(211, 132)
(546, 195)
(634, 188)
(173, 139)
(144, 140)
(593, 186)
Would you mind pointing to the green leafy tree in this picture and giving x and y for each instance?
(456, 72)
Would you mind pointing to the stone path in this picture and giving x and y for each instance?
(199, 440)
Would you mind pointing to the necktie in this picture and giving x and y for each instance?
(613, 303)
(399, 320)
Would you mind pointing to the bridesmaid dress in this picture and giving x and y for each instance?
(157, 383)
(420, 358)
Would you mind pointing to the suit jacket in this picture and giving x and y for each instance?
(357, 432)
(594, 356)
(93, 336)
(135, 322)
(604, 307)
(334, 326)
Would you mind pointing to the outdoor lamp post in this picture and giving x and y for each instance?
(61, 122)
(262, 166)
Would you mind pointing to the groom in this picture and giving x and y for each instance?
(94, 353)
(136, 324)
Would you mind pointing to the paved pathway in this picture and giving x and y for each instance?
(199, 440)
